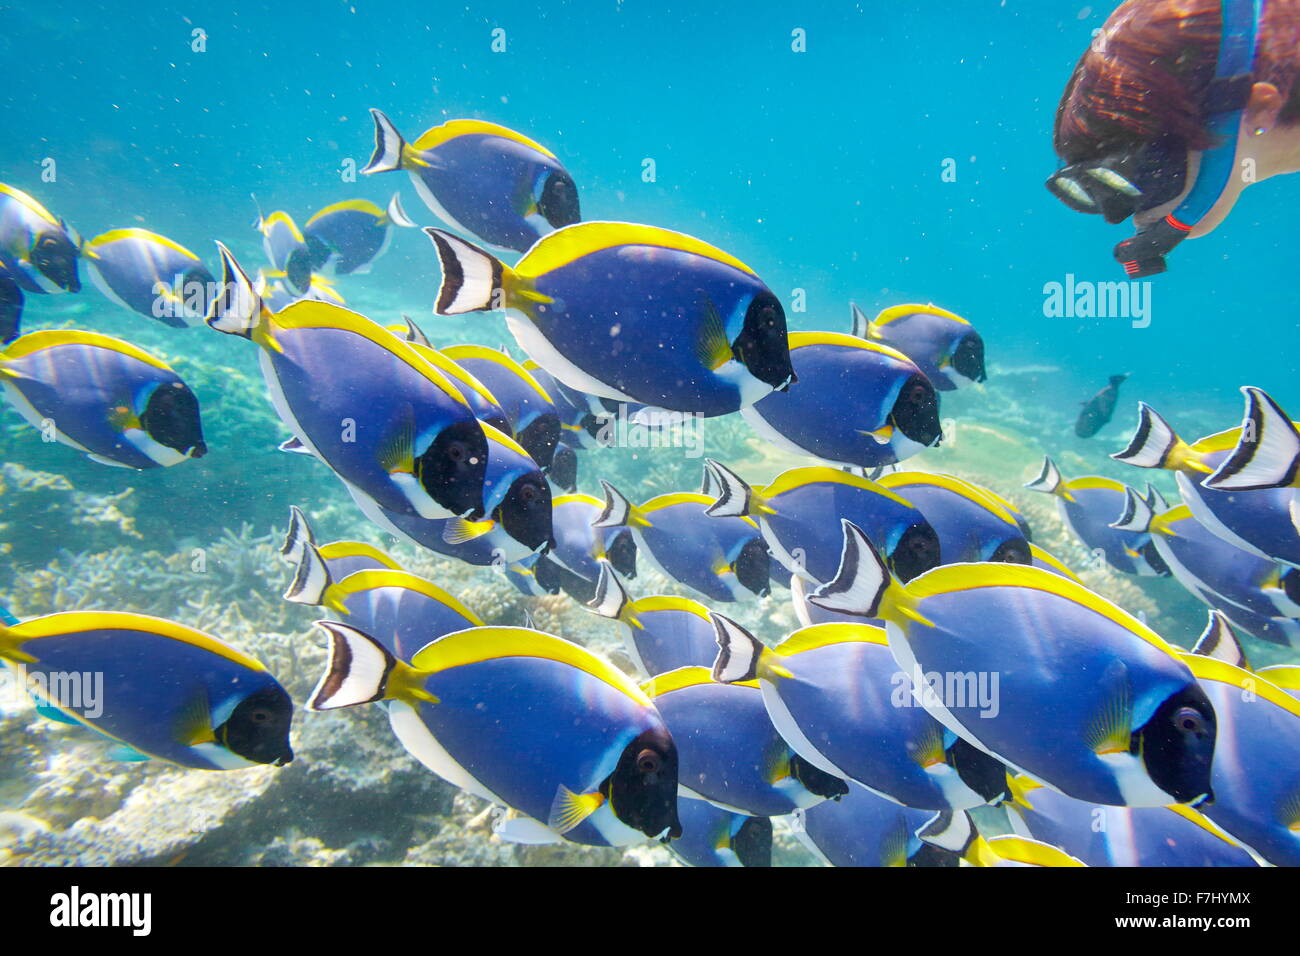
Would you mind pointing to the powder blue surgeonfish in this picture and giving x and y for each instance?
(836, 695)
(37, 255)
(402, 611)
(286, 250)
(1256, 761)
(1088, 507)
(396, 430)
(1259, 521)
(712, 836)
(1129, 724)
(1214, 570)
(345, 238)
(729, 752)
(1176, 835)
(341, 557)
(720, 559)
(529, 409)
(858, 403)
(150, 274)
(972, 524)
(482, 179)
(154, 687)
(864, 829)
(629, 312)
(580, 550)
(524, 720)
(799, 513)
(957, 834)
(945, 346)
(105, 397)
(662, 632)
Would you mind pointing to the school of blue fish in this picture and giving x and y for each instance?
(840, 730)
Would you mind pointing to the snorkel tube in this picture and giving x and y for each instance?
(1229, 93)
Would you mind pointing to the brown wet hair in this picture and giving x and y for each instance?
(1156, 61)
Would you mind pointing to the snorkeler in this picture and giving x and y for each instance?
(1176, 107)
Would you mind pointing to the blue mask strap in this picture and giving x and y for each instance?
(1226, 101)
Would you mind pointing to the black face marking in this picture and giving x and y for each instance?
(916, 411)
(55, 257)
(453, 469)
(642, 789)
(559, 201)
(762, 346)
(526, 512)
(1177, 745)
(917, 551)
(171, 418)
(968, 359)
(258, 730)
(753, 567)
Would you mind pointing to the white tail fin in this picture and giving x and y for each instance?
(617, 512)
(358, 670)
(738, 651)
(1219, 641)
(861, 580)
(611, 599)
(312, 578)
(237, 310)
(1156, 500)
(1267, 454)
(397, 215)
(471, 278)
(735, 498)
(1151, 443)
(1049, 480)
(388, 146)
(413, 333)
(949, 831)
(710, 485)
(1137, 514)
(299, 534)
(860, 324)
(293, 446)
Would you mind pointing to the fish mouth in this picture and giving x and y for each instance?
(198, 451)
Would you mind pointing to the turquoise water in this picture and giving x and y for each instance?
(829, 171)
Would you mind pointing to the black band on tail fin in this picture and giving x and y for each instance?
(1267, 454)
(860, 325)
(949, 831)
(1048, 480)
(397, 215)
(610, 599)
(358, 671)
(738, 651)
(617, 512)
(735, 498)
(1151, 443)
(388, 146)
(298, 535)
(311, 579)
(237, 309)
(472, 280)
(861, 580)
(1137, 514)
(1220, 641)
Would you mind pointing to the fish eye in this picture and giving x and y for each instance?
(49, 242)
(647, 761)
(529, 493)
(456, 451)
(260, 716)
(1189, 720)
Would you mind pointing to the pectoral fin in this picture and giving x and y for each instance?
(569, 809)
(712, 347)
(195, 725)
(1111, 728)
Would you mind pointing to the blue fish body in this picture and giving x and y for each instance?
(482, 179)
(150, 274)
(729, 753)
(167, 690)
(103, 396)
(863, 829)
(1124, 836)
(857, 403)
(1257, 762)
(971, 525)
(849, 710)
(712, 837)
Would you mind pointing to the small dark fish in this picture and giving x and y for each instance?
(1098, 409)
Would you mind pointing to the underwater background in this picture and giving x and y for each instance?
(900, 158)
